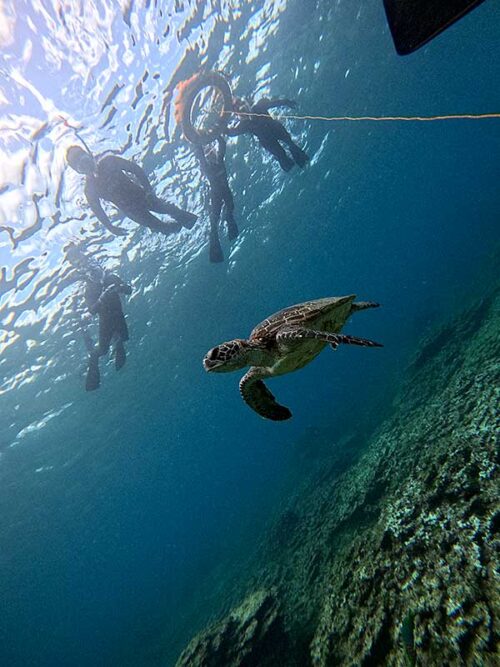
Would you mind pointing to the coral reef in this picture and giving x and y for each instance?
(251, 635)
(393, 561)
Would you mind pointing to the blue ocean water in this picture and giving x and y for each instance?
(117, 504)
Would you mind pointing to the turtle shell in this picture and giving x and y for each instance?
(329, 314)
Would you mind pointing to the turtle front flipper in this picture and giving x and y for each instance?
(298, 333)
(256, 395)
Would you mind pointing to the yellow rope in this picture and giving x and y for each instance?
(458, 116)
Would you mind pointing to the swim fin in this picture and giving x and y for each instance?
(301, 157)
(286, 163)
(216, 255)
(415, 22)
(93, 379)
(120, 355)
(186, 219)
(232, 228)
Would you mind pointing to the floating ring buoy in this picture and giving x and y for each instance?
(188, 91)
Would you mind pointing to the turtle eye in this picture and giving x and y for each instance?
(214, 353)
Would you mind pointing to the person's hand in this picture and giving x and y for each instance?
(111, 289)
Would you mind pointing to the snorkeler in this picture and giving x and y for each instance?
(269, 131)
(213, 168)
(102, 298)
(126, 185)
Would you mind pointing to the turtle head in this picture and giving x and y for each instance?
(227, 357)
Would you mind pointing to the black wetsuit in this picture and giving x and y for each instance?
(214, 169)
(125, 184)
(102, 297)
(270, 132)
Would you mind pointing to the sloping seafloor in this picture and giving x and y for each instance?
(389, 557)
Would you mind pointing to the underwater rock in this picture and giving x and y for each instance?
(394, 561)
(250, 636)
(418, 585)
(285, 529)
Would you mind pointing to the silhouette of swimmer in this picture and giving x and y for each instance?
(213, 168)
(102, 298)
(269, 131)
(125, 184)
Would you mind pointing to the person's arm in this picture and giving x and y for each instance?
(96, 306)
(95, 204)
(132, 168)
(265, 104)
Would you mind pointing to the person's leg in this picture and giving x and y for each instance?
(87, 339)
(279, 132)
(215, 211)
(121, 328)
(120, 336)
(272, 146)
(301, 158)
(147, 219)
(232, 227)
(93, 379)
(106, 330)
(157, 205)
(120, 354)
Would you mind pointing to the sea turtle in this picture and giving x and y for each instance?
(285, 342)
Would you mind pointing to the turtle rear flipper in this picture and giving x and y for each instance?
(257, 396)
(354, 340)
(364, 305)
